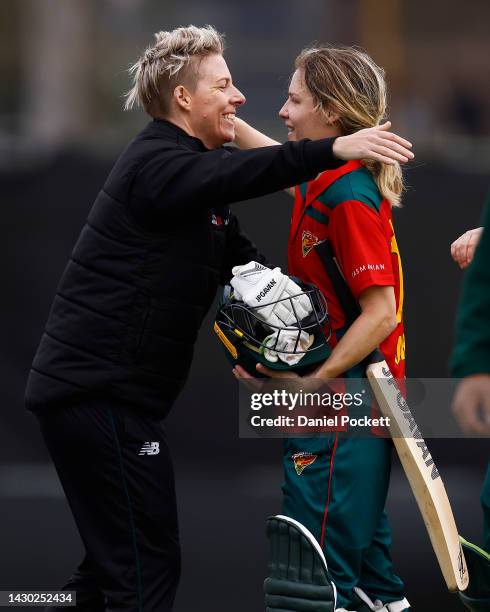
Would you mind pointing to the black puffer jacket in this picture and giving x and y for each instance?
(157, 243)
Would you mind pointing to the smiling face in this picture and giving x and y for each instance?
(213, 103)
(300, 116)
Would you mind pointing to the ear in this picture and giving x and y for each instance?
(182, 97)
(332, 117)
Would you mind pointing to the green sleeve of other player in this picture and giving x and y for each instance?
(472, 349)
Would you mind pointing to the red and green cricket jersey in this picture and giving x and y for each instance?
(345, 207)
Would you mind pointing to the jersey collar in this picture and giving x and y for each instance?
(326, 178)
(317, 187)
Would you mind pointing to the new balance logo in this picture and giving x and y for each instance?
(150, 448)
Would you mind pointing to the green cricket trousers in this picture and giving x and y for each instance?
(337, 486)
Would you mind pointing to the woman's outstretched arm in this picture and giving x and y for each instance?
(247, 137)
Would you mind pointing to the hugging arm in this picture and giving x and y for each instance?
(376, 143)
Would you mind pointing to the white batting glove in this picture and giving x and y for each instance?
(258, 286)
(287, 342)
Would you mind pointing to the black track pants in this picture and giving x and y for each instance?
(117, 475)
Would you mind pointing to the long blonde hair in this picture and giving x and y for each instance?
(168, 63)
(346, 81)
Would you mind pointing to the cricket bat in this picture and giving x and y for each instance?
(423, 476)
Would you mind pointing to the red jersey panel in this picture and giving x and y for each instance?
(345, 207)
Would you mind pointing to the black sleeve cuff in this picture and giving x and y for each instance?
(318, 155)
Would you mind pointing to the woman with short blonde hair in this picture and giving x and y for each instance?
(173, 59)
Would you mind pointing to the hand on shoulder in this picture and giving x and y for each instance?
(375, 143)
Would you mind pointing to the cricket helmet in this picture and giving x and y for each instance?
(246, 337)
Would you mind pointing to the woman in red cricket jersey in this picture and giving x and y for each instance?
(340, 495)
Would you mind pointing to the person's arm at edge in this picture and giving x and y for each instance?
(471, 354)
(463, 248)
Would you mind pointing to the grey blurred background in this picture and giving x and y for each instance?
(64, 66)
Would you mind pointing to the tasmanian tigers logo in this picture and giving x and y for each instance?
(308, 241)
(302, 460)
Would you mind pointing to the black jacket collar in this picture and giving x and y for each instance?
(168, 130)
